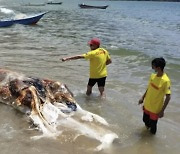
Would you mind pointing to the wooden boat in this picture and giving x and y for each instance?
(6, 23)
(31, 20)
(84, 6)
(54, 3)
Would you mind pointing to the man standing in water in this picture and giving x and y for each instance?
(99, 58)
(154, 102)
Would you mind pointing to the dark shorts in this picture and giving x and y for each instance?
(150, 119)
(100, 82)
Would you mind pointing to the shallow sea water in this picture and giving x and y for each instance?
(133, 32)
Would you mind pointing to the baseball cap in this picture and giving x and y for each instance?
(94, 41)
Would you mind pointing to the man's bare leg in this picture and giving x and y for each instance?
(89, 90)
(102, 92)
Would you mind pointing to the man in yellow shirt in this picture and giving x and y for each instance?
(99, 58)
(154, 102)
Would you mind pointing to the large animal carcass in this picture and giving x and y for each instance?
(49, 104)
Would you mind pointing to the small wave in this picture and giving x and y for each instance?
(6, 11)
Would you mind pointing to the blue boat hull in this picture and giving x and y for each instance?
(6, 23)
(25, 21)
(30, 20)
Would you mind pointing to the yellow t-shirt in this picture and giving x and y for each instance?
(158, 87)
(98, 60)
